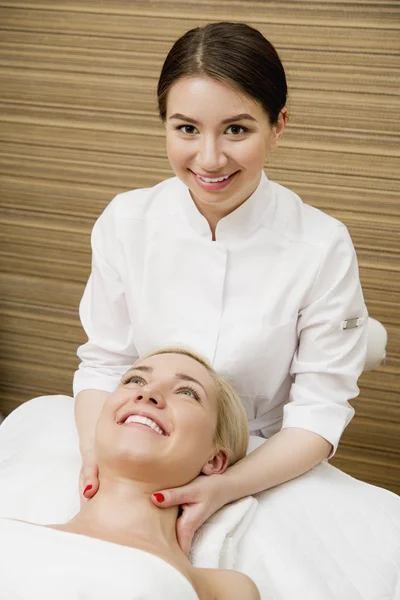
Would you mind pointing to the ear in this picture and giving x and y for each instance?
(279, 128)
(217, 464)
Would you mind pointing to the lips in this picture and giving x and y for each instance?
(214, 186)
(214, 176)
(153, 418)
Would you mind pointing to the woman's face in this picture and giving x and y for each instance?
(160, 422)
(215, 131)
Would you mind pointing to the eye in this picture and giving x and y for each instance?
(188, 391)
(235, 131)
(136, 379)
(188, 129)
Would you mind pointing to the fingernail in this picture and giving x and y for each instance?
(87, 489)
(159, 497)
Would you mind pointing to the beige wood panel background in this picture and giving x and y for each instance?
(78, 124)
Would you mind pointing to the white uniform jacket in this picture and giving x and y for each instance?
(269, 303)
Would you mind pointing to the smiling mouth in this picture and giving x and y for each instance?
(144, 421)
(214, 179)
(213, 183)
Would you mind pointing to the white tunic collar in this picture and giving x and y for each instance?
(247, 217)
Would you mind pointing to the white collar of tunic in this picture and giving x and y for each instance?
(244, 219)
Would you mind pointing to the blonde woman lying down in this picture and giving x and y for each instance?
(171, 419)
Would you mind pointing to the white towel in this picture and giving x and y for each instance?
(214, 544)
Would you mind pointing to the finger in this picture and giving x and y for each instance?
(90, 490)
(174, 497)
(90, 482)
(90, 471)
(184, 535)
(185, 542)
(188, 523)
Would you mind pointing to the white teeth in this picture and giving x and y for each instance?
(209, 180)
(144, 421)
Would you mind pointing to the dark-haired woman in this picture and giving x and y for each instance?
(235, 266)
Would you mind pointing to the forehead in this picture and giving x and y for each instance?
(201, 94)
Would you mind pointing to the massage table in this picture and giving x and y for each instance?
(322, 536)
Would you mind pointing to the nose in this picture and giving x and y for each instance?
(150, 396)
(210, 156)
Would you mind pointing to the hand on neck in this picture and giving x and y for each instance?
(123, 506)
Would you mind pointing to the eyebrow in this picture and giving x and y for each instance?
(141, 368)
(241, 117)
(181, 376)
(185, 377)
(138, 368)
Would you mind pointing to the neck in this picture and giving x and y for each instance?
(123, 508)
(215, 212)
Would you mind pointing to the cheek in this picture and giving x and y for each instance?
(254, 152)
(103, 434)
(199, 433)
(177, 151)
(108, 416)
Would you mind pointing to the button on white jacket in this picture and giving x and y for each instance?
(265, 302)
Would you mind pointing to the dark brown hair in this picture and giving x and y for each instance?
(232, 53)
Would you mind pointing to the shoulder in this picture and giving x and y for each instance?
(298, 221)
(147, 202)
(230, 585)
(157, 202)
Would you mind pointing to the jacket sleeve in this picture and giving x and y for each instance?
(104, 314)
(332, 346)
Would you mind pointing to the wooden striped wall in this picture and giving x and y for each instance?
(79, 124)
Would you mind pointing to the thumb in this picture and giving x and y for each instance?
(184, 533)
(167, 498)
(90, 481)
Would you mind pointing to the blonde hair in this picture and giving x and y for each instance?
(232, 432)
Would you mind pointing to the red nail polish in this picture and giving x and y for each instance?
(159, 497)
(87, 489)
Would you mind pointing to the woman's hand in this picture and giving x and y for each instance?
(88, 477)
(199, 499)
(87, 408)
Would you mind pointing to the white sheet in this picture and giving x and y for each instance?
(323, 536)
(38, 563)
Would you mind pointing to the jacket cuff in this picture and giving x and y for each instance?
(328, 422)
